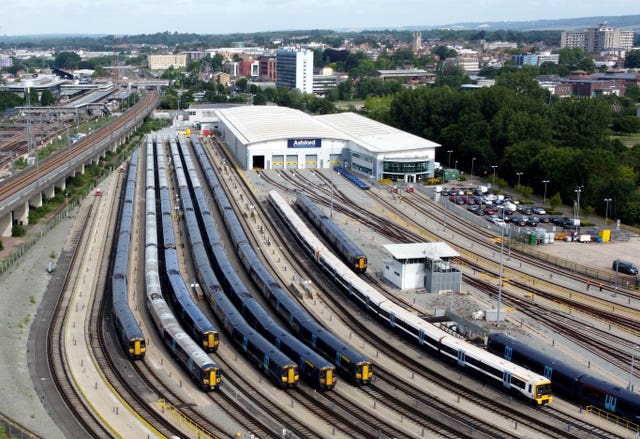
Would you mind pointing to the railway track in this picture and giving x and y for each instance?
(32, 174)
(294, 185)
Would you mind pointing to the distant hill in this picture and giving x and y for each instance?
(624, 22)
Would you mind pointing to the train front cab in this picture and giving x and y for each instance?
(327, 378)
(361, 264)
(210, 341)
(137, 348)
(364, 372)
(542, 393)
(212, 378)
(289, 376)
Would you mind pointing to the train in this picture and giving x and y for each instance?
(269, 358)
(469, 357)
(351, 364)
(188, 312)
(128, 330)
(346, 248)
(568, 380)
(200, 367)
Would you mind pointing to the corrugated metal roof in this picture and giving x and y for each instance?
(253, 124)
(375, 136)
(429, 250)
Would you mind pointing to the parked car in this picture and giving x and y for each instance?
(539, 211)
(624, 267)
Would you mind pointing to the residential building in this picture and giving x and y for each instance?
(598, 39)
(163, 62)
(294, 69)
(267, 66)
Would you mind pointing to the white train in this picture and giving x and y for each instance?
(533, 387)
(204, 371)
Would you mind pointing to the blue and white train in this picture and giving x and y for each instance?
(128, 330)
(202, 369)
(347, 361)
(272, 360)
(467, 356)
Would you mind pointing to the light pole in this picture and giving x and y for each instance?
(500, 275)
(519, 173)
(493, 183)
(449, 151)
(472, 160)
(456, 165)
(544, 198)
(577, 191)
(633, 351)
(606, 210)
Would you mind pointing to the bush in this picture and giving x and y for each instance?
(18, 230)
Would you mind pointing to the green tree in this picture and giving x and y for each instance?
(632, 59)
(9, 100)
(47, 98)
(67, 60)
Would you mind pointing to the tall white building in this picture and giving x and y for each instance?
(294, 69)
(598, 39)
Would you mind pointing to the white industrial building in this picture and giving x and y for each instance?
(270, 137)
(422, 266)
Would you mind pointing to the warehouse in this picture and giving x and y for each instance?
(270, 137)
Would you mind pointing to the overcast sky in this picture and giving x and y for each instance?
(129, 17)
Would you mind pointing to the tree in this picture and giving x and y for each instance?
(632, 60)
(47, 98)
(67, 60)
(9, 100)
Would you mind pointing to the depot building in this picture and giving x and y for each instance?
(271, 137)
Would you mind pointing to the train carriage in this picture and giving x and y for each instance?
(568, 380)
(128, 331)
(534, 387)
(251, 317)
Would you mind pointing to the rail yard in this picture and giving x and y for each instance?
(347, 371)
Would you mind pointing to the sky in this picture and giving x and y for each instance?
(132, 17)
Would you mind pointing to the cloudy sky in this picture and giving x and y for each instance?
(126, 17)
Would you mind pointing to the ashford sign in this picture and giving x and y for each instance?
(304, 143)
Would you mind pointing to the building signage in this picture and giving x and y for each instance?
(304, 143)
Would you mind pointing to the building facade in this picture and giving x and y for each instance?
(598, 39)
(162, 62)
(294, 69)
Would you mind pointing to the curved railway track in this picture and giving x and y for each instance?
(340, 203)
(532, 421)
(557, 290)
(31, 175)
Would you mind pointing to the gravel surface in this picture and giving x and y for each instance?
(21, 290)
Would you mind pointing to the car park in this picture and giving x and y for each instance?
(624, 267)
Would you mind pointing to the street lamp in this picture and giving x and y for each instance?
(519, 173)
(544, 198)
(606, 210)
(472, 160)
(449, 151)
(456, 165)
(494, 175)
(633, 351)
(577, 191)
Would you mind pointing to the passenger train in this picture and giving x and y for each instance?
(204, 371)
(271, 359)
(346, 248)
(350, 363)
(128, 330)
(193, 319)
(569, 380)
(467, 356)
